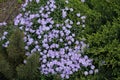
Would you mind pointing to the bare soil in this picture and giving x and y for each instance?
(8, 10)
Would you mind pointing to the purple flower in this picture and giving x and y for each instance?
(37, 1)
(96, 71)
(32, 16)
(78, 23)
(67, 76)
(52, 22)
(32, 31)
(62, 75)
(73, 35)
(4, 23)
(26, 47)
(83, 25)
(66, 21)
(43, 66)
(85, 57)
(44, 60)
(61, 34)
(78, 14)
(69, 42)
(68, 26)
(22, 21)
(40, 11)
(85, 73)
(71, 22)
(3, 37)
(61, 40)
(64, 13)
(37, 46)
(66, 8)
(57, 25)
(36, 42)
(91, 72)
(16, 22)
(39, 37)
(83, 17)
(72, 39)
(45, 51)
(5, 33)
(76, 42)
(66, 1)
(71, 9)
(46, 46)
(57, 45)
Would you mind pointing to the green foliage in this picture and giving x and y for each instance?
(16, 48)
(104, 48)
(5, 68)
(103, 36)
(29, 71)
(102, 33)
(11, 64)
(13, 55)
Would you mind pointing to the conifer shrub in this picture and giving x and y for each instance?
(15, 49)
(12, 51)
(104, 48)
(103, 37)
(29, 70)
(5, 68)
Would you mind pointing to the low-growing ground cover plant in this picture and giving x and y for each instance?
(60, 52)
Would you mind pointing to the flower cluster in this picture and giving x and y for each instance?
(3, 24)
(60, 53)
(4, 39)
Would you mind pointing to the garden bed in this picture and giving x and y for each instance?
(60, 40)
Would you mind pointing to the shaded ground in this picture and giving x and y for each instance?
(8, 10)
